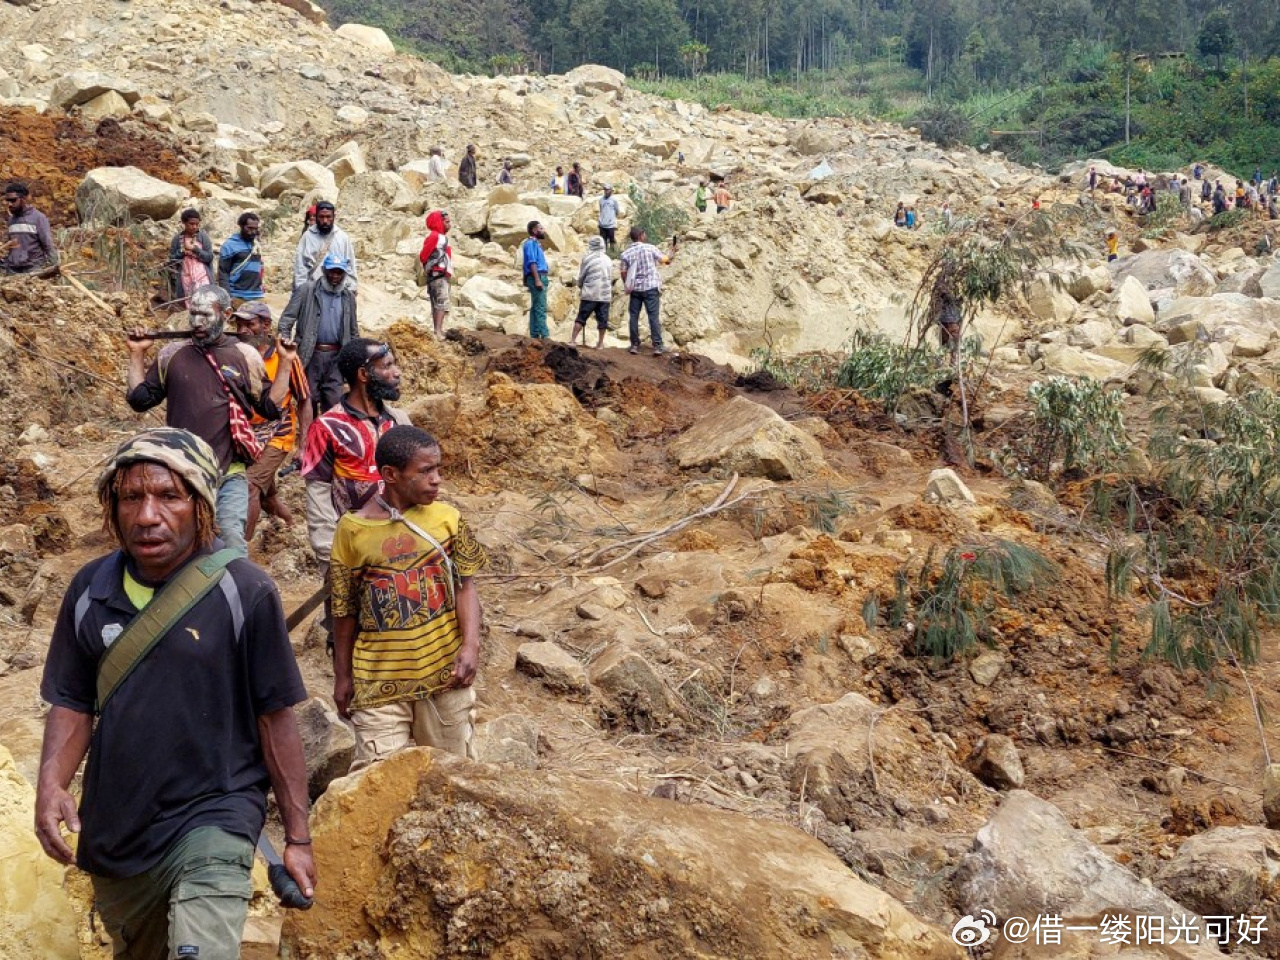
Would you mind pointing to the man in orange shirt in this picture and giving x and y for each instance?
(279, 437)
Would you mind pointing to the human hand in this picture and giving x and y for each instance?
(139, 342)
(465, 666)
(302, 867)
(288, 351)
(344, 689)
(53, 808)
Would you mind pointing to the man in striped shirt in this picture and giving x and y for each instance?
(406, 611)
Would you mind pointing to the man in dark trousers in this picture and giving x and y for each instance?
(29, 241)
(213, 384)
(321, 319)
(194, 714)
(467, 168)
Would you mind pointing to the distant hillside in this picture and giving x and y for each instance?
(463, 36)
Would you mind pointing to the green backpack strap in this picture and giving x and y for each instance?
(171, 604)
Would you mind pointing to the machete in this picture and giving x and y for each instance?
(304, 610)
(285, 887)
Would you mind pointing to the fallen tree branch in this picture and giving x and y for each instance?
(639, 543)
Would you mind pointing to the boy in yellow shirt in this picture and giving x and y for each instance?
(406, 612)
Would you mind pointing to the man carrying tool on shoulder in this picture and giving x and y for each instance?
(178, 647)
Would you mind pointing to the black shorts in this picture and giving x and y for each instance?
(610, 235)
(599, 307)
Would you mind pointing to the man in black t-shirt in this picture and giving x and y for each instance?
(174, 791)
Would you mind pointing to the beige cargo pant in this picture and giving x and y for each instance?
(444, 720)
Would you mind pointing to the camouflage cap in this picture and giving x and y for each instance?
(180, 450)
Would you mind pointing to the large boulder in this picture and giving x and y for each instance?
(1027, 861)
(1227, 871)
(491, 296)
(833, 745)
(1245, 324)
(1132, 303)
(38, 918)
(347, 161)
(82, 86)
(1071, 361)
(751, 439)
(109, 104)
(300, 176)
(508, 223)
(371, 38)
(427, 855)
(591, 78)
(1084, 282)
(810, 141)
(553, 205)
(1048, 301)
(111, 194)
(1269, 282)
(1186, 273)
(378, 190)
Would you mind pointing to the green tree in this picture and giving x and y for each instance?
(694, 56)
(1216, 38)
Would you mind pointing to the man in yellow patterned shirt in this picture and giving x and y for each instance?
(406, 612)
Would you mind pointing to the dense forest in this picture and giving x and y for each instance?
(1148, 82)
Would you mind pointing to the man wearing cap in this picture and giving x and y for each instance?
(608, 220)
(211, 385)
(189, 736)
(323, 239)
(278, 437)
(320, 318)
(437, 261)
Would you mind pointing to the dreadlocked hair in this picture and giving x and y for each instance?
(206, 521)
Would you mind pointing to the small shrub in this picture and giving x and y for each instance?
(955, 599)
(659, 217)
(880, 369)
(1075, 422)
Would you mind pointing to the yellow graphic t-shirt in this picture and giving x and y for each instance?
(397, 587)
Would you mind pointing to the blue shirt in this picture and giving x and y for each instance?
(608, 212)
(534, 258)
(240, 268)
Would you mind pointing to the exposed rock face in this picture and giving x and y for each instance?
(750, 438)
(1132, 303)
(429, 855)
(1074, 362)
(110, 193)
(36, 918)
(1028, 861)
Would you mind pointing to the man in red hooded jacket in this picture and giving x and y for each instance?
(437, 263)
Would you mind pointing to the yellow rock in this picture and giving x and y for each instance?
(36, 919)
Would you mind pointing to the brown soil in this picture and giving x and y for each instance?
(52, 152)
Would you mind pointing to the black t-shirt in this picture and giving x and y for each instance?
(177, 746)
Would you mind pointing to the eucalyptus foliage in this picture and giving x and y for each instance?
(955, 598)
(1075, 422)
